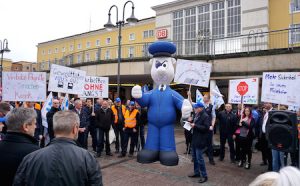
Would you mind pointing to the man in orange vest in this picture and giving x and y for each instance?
(119, 112)
(132, 117)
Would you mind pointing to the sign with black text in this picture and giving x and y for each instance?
(95, 87)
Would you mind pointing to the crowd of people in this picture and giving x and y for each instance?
(244, 129)
(23, 146)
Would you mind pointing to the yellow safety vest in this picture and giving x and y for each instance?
(130, 118)
(115, 111)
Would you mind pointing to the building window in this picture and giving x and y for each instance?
(63, 49)
(145, 34)
(190, 30)
(131, 37)
(79, 46)
(87, 57)
(43, 52)
(98, 43)
(233, 18)
(203, 29)
(56, 50)
(97, 56)
(148, 34)
(295, 6)
(88, 44)
(218, 20)
(131, 52)
(107, 54)
(108, 40)
(49, 51)
(79, 58)
(178, 30)
(294, 34)
(71, 47)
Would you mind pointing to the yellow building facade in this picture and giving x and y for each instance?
(97, 45)
(284, 15)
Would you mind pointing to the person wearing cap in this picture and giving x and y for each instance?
(132, 118)
(119, 112)
(200, 125)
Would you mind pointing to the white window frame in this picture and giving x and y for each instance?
(131, 52)
(107, 54)
(296, 8)
(96, 55)
(88, 44)
(79, 58)
(87, 57)
(63, 49)
(43, 52)
(56, 50)
(151, 33)
(108, 40)
(131, 36)
(79, 46)
(49, 51)
(71, 47)
(296, 33)
(97, 42)
(146, 34)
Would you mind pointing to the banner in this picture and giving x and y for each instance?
(192, 73)
(24, 86)
(251, 97)
(199, 97)
(217, 98)
(95, 87)
(46, 107)
(281, 88)
(66, 80)
(65, 103)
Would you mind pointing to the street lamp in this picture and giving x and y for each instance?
(3, 48)
(119, 24)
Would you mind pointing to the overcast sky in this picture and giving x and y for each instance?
(25, 23)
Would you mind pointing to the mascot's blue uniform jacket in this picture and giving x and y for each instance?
(161, 118)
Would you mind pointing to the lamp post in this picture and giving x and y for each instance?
(3, 48)
(119, 24)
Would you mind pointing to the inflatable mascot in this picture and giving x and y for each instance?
(162, 103)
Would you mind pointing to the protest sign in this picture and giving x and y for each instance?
(238, 86)
(66, 80)
(95, 87)
(192, 73)
(281, 88)
(24, 86)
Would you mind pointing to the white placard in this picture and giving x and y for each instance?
(187, 125)
(95, 87)
(281, 88)
(251, 97)
(66, 80)
(192, 73)
(24, 86)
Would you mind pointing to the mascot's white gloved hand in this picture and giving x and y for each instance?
(186, 109)
(136, 92)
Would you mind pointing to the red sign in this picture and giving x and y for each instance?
(162, 33)
(242, 88)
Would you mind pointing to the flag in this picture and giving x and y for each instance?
(199, 97)
(46, 107)
(65, 103)
(145, 88)
(217, 98)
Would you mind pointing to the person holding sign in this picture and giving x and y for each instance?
(244, 137)
(200, 126)
(55, 108)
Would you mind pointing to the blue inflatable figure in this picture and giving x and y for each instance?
(162, 103)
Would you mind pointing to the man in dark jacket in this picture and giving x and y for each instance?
(84, 124)
(104, 120)
(49, 116)
(39, 131)
(62, 162)
(18, 142)
(91, 119)
(228, 123)
(4, 109)
(200, 127)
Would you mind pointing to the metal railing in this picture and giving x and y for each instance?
(206, 46)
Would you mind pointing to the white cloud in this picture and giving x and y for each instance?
(25, 23)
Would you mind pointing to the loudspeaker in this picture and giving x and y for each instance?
(281, 130)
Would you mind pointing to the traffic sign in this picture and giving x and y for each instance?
(242, 88)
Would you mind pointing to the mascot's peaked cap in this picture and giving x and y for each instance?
(162, 49)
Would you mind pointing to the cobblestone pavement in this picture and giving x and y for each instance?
(126, 171)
